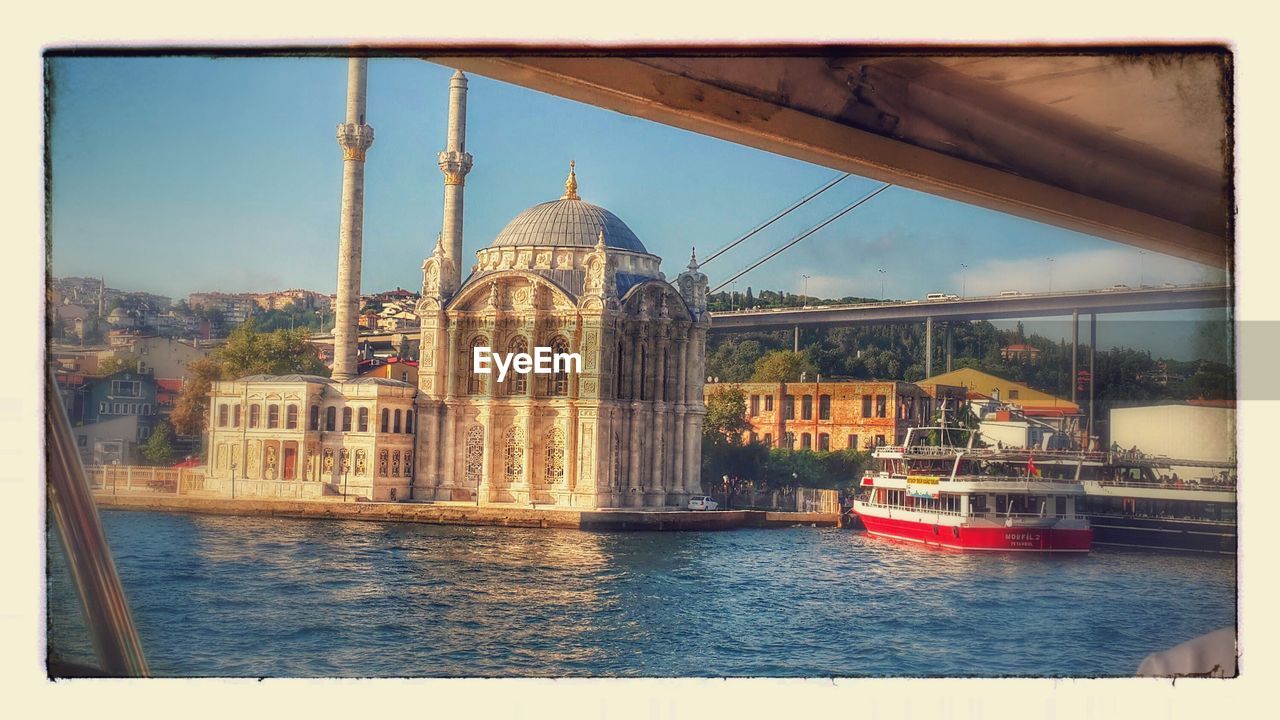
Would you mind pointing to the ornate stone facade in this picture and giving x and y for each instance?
(271, 433)
(625, 431)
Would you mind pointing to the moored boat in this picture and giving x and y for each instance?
(971, 498)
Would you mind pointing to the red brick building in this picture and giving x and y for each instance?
(837, 415)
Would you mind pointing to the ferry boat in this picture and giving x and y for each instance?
(1139, 501)
(971, 498)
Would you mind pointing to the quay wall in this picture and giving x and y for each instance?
(461, 514)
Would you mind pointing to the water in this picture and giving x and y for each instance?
(235, 596)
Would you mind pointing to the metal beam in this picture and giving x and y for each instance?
(988, 308)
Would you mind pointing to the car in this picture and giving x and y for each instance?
(1117, 287)
(702, 502)
(1010, 293)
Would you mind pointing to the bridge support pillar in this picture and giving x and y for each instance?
(949, 346)
(1075, 352)
(795, 341)
(928, 347)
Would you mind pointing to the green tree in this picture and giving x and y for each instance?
(113, 365)
(782, 366)
(247, 352)
(158, 449)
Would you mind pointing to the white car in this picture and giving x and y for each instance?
(702, 502)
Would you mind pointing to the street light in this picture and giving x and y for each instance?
(1141, 267)
(963, 286)
(1050, 274)
(805, 300)
(233, 479)
(882, 274)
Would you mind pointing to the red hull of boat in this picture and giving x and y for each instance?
(998, 539)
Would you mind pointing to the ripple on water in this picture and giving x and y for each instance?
(277, 597)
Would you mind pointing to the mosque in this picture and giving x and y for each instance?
(623, 430)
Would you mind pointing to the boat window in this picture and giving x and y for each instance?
(1060, 506)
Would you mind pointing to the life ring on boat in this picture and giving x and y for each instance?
(935, 529)
(955, 531)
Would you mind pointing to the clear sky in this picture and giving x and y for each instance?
(179, 175)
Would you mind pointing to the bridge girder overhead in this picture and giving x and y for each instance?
(1129, 145)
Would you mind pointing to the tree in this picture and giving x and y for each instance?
(113, 365)
(782, 366)
(723, 450)
(247, 352)
(158, 449)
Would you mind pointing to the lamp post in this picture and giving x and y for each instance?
(1141, 267)
(1050, 274)
(233, 479)
(963, 286)
(882, 274)
(805, 299)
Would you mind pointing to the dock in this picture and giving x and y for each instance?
(454, 513)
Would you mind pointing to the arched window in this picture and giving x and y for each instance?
(222, 415)
(824, 442)
(330, 418)
(362, 420)
(314, 419)
(644, 372)
(255, 414)
(473, 457)
(824, 407)
(806, 441)
(386, 421)
(553, 465)
(513, 455)
(408, 422)
(517, 382)
(666, 372)
(395, 427)
(273, 416)
(617, 372)
(475, 381)
(346, 419)
(558, 383)
(235, 416)
(291, 417)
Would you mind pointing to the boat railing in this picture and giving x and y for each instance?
(991, 515)
(1006, 454)
(1193, 485)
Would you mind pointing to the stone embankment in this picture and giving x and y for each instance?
(447, 513)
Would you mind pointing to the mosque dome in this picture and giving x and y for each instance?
(568, 222)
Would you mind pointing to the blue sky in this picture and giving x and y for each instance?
(178, 175)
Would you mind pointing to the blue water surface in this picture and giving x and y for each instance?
(241, 596)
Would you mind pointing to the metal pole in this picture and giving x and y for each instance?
(1093, 348)
(102, 601)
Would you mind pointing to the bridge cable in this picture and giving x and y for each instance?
(804, 235)
(772, 220)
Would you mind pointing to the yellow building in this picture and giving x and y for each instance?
(1032, 402)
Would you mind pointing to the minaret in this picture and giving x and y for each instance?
(355, 137)
(455, 163)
